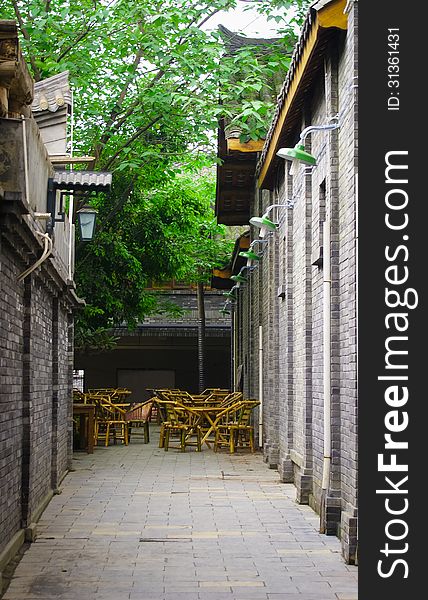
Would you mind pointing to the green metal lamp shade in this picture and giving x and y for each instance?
(229, 295)
(239, 278)
(224, 311)
(250, 254)
(261, 222)
(297, 153)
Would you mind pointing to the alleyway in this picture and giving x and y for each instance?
(143, 524)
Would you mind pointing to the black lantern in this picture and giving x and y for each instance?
(87, 216)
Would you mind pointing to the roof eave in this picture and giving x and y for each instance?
(321, 17)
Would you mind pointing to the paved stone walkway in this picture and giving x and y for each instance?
(140, 523)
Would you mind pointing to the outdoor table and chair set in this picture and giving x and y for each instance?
(215, 417)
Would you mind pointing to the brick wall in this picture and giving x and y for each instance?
(11, 353)
(293, 323)
(35, 361)
(35, 393)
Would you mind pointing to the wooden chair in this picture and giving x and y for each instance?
(239, 432)
(139, 417)
(182, 420)
(109, 421)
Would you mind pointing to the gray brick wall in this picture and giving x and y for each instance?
(35, 394)
(40, 394)
(35, 378)
(11, 350)
(293, 327)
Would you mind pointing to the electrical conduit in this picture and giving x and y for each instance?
(46, 252)
(327, 370)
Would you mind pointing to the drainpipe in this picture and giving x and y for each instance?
(24, 143)
(261, 386)
(71, 200)
(327, 371)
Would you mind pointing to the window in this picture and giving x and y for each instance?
(78, 379)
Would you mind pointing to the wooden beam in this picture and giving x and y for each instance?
(69, 160)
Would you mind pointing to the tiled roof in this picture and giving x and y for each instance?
(52, 93)
(234, 40)
(295, 59)
(82, 180)
(293, 71)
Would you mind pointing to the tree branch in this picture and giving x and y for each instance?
(116, 110)
(136, 135)
(36, 70)
(80, 37)
(115, 113)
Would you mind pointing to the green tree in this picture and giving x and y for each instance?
(150, 82)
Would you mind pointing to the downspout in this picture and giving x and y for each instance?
(261, 386)
(232, 352)
(327, 371)
(24, 143)
(71, 202)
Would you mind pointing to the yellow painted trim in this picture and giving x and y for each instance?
(222, 274)
(331, 15)
(251, 146)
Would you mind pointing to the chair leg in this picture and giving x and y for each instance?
(199, 440)
(107, 433)
(146, 432)
(162, 436)
(252, 440)
(232, 441)
(183, 440)
(166, 440)
(125, 433)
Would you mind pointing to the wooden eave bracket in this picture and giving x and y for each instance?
(16, 83)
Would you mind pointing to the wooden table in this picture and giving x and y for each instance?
(212, 414)
(85, 413)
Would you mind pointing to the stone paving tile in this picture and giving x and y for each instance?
(137, 523)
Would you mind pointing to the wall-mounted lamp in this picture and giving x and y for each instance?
(67, 183)
(224, 311)
(86, 217)
(239, 278)
(298, 153)
(250, 255)
(264, 223)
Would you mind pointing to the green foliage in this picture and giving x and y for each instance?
(160, 233)
(150, 82)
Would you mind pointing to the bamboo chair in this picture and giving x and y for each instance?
(109, 421)
(239, 432)
(231, 398)
(182, 421)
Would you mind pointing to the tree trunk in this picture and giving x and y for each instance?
(201, 337)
